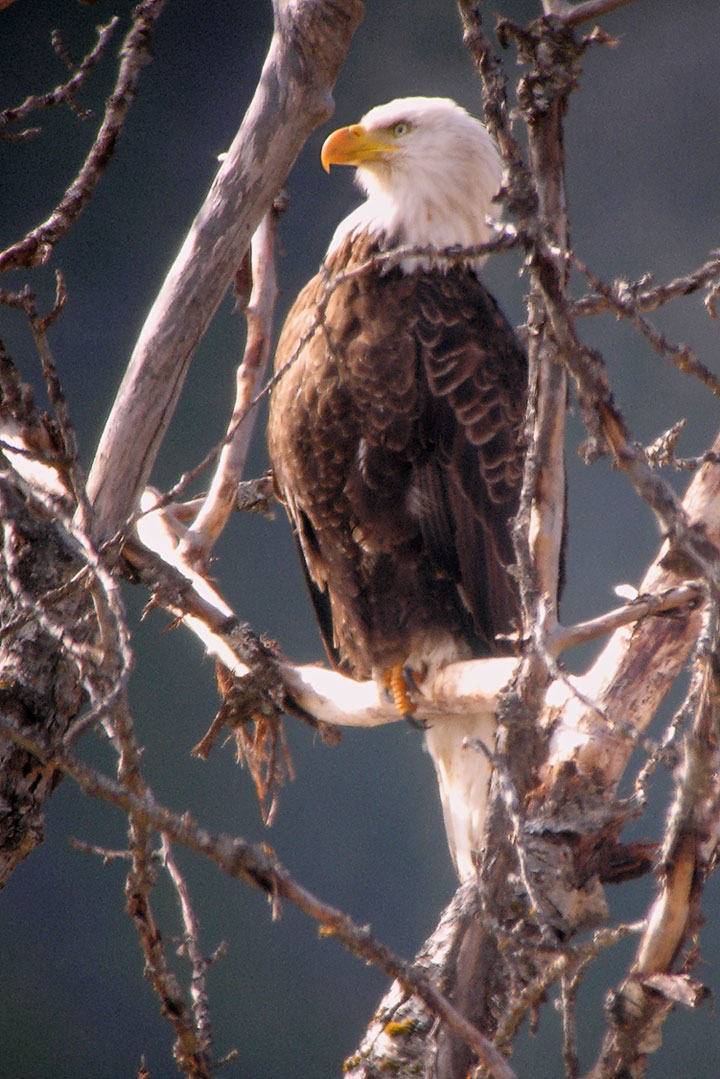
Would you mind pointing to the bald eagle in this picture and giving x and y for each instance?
(395, 433)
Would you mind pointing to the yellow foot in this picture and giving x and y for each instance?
(398, 680)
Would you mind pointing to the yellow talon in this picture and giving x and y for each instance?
(396, 684)
(397, 680)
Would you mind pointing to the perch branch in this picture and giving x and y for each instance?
(319, 692)
(459, 689)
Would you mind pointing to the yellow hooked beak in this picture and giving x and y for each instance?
(355, 145)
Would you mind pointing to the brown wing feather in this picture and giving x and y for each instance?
(395, 439)
(477, 372)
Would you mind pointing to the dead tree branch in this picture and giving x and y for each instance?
(35, 249)
(191, 947)
(574, 14)
(63, 94)
(222, 495)
(309, 44)
(623, 303)
(571, 792)
(638, 1008)
(256, 866)
(643, 298)
(554, 822)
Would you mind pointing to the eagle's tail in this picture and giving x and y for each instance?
(463, 770)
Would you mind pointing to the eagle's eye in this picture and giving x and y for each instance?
(400, 129)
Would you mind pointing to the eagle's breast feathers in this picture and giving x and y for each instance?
(396, 442)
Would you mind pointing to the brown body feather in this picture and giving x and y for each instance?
(396, 443)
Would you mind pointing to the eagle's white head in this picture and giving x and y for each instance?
(428, 168)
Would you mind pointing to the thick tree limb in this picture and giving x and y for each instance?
(641, 1004)
(638, 665)
(309, 44)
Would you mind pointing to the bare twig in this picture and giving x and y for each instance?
(63, 94)
(108, 856)
(624, 303)
(191, 946)
(257, 866)
(648, 299)
(69, 444)
(35, 249)
(643, 605)
(566, 965)
(518, 190)
(191, 1046)
(574, 14)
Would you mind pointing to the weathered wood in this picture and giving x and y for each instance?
(639, 663)
(293, 96)
(39, 681)
(39, 688)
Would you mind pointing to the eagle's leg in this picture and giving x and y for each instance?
(398, 680)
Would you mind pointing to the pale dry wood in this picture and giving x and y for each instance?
(157, 531)
(309, 43)
(547, 511)
(546, 455)
(690, 845)
(222, 494)
(574, 14)
(668, 915)
(638, 608)
(31, 463)
(461, 688)
(638, 664)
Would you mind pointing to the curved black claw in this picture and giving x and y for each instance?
(410, 678)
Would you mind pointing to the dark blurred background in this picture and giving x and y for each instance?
(361, 823)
